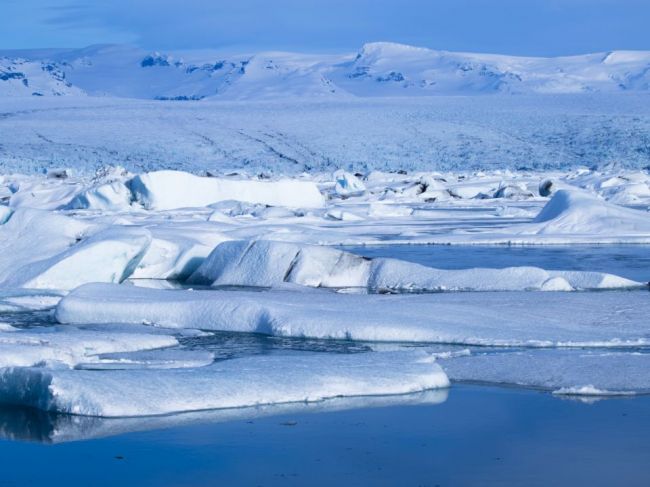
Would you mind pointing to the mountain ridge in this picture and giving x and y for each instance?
(378, 69)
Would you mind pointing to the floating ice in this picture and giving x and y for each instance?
(233, 383)
(110, 255)
(265, 263)
(69, 346)
(561, 371)
(167, 190)
(500, 319)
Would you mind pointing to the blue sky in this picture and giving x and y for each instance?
(525, 27)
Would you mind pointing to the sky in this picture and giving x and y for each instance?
(519, 27)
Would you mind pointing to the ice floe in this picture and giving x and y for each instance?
(265, 263)
(568, 372)
(232, 383)
(69, 346)
(498, 319)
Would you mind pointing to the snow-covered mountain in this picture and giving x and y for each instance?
(378, 69)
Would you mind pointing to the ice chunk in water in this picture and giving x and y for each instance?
(500, 319)
(229, 384)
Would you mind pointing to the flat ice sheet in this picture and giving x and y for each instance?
(499, 319)
(571, 372)
(233, 383)
(69, 346)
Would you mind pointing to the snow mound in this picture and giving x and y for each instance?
(499, 319)
(168, 190)
(576, 212)
(107, 197)
(230, 384)
(266, 263)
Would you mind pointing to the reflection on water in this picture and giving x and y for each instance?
(27, 424)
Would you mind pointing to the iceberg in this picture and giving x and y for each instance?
(110, 255)
(169, 190)
(265, 263)
(497, 319)
(234, 383)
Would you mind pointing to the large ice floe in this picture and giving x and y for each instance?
(264, 263)
(499, 319)
(167, 190)
(69, 346)
(232, 383)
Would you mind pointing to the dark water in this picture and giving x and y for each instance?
(478, 436)
(631, 261)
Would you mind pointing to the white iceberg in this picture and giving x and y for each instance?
(168, 190)
(498, 319)
(232, 383)
(266, 263)
(110, 255)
